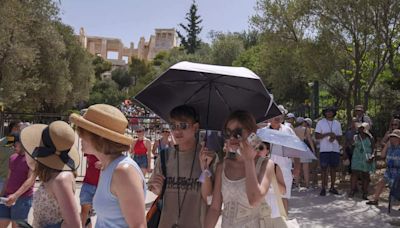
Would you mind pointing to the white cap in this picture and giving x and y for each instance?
(309, 121)
(299, 119)
(291, 115)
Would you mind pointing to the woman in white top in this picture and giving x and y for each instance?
(241, 181)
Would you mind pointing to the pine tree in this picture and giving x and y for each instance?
(191, 42)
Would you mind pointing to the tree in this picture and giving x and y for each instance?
(122, 78)
(106, 91)
(191, 41)
(138, 68)
(225, 48)
(100, 66)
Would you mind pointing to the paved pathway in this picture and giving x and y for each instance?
(314, 211)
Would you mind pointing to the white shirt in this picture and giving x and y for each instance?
(326, 126)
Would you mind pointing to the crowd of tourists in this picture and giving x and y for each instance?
(247, 185)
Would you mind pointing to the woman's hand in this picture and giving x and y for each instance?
(247, 151)
(205, 157)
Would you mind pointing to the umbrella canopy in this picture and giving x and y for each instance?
(214, 91)
(292, 146)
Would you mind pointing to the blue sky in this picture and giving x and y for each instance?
(131, 19)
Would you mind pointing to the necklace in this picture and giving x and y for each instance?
(180, 205)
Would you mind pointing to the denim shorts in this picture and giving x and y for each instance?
(87, 193)
(329, 159)
(19, 211)
(141, 160)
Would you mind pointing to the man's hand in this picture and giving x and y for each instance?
(11, 199)
(155, 183)
(332, 137)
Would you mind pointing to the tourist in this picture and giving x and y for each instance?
(119, 200)
(88, 189)
(51, 154)
(284, 163)
(18, 188)
(394, 124)
(362, 160)
(185, 198)
(392, 154)
(141, 151)
(304, 133)
(242, 181)
(162, 143)
(359, 114)
(329, 132)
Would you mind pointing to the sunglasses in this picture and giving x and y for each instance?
(235, 133)
(180, 126)
(165, 131)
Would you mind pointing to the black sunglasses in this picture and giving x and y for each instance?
(181, 126)
(235, 133)
(139, 131)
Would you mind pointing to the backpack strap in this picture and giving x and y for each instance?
(163, 170)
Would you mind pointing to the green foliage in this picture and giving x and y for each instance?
(191, 42)
(226, 48)
(39, 56)
(106, 91)
(100, 66)
(122, 78)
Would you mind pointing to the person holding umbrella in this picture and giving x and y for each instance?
(241, 181)
(329, 132)
(185, 197)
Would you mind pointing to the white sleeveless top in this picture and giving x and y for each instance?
(237, 212)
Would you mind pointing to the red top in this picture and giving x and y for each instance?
(19, 171)
(92, 173)
(140, 148)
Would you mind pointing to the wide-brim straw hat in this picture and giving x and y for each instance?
(365, 126)
(395, 133)
(52, 145)
(105, 121)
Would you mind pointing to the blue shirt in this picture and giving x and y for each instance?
(106, 205)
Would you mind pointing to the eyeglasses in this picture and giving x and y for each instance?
(235, 133)
(180, 126)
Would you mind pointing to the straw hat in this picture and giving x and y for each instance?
(365, 126)
(52, 145)
(395, 133)
(104, 120)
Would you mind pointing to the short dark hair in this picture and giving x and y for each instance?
(12, 125)
(184, 111)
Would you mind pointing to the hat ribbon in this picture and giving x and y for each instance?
(49, 149)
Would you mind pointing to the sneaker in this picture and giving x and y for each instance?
(372, 202)
(323, 192)
(333, 191)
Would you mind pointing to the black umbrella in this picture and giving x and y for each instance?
(214, 91)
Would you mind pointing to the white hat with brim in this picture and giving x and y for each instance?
(395, 133)
(105, 121)
(63, 139)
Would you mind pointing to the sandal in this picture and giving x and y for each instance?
(372, 202)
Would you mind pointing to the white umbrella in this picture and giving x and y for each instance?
(292, 146)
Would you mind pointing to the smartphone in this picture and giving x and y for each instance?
(254, 141)
(213, 140)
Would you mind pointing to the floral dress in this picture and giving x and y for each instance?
(393, 164)
(362, 151)
(46, 212)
